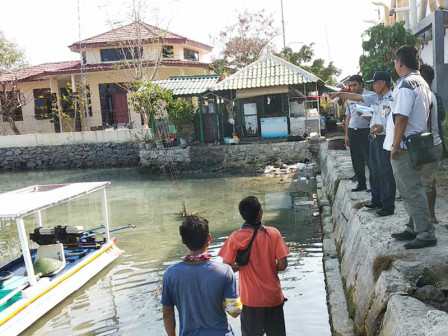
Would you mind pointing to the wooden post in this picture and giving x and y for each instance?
(201, 121)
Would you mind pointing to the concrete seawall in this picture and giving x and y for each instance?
(29, 154)
(388, 290)
(251, 157)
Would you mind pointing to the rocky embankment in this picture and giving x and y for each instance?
(388, 290)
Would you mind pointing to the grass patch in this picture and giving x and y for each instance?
(359, 205)
(382, 262)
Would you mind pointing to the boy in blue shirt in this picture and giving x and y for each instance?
(201, 289)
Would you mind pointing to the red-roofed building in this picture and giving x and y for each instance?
(106, 61)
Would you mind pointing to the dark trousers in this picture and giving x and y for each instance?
(382, 182)
(257, 321)
(359, 152)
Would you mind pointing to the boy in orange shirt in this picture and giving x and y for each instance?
(259, 285)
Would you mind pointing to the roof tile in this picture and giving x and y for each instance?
(188, 85)
(270, 70)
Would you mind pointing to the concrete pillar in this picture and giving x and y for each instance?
(440, 68)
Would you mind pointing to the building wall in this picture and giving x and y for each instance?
(150, 53)
(427, 51)
(30, 125)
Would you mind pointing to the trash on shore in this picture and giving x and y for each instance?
(284, 169)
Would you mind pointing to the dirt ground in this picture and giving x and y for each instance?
(442, 180)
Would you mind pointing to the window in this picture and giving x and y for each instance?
(191, 55)
(11, 101)
(167, 52)
(111, 55)
(42, 104)
(89, 101)
(69, 101)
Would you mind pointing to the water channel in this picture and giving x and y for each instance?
(109, 303)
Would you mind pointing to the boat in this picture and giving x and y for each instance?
(66, 257)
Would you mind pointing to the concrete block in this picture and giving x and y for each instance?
(406, 316)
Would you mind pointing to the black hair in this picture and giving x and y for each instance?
(194, 232)
(427, 73)
(356, 78)
(408, 54)
(249, 209)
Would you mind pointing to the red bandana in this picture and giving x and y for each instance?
(197, 257)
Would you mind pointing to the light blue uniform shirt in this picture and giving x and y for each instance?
(412, 99)
(357, 121)
(382, 106)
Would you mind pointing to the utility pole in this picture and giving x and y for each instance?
(283, 25)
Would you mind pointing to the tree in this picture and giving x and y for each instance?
(248, 38)
(317, 67)
(11, 100)
(380, 46)
(180, 113)
(220, 67)
(150, 100)
(304, 55)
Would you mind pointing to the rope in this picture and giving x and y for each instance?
(143, 309)
(170, 171)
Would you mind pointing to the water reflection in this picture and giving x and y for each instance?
(109, 303)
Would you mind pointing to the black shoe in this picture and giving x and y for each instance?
(372, 206)
(420, 243)
(353, 178)
(405, 235)
(359, 188)
(383, 213)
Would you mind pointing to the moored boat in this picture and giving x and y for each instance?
(65, 258)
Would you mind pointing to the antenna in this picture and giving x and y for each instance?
(283, 25)
(328, 45)
(82, 57)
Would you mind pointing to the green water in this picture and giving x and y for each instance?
(110, 302)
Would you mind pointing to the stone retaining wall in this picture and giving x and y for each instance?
(90, 155)
(381, 298)
(252, 157)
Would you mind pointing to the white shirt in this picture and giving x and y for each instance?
(412, 99)
(357, 121)
(434, 123)
(381, 106)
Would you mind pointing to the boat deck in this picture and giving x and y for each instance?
(72, 255)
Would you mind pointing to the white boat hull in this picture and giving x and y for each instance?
(37, 300)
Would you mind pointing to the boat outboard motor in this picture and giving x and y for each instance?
(43, 236)
(58, 234)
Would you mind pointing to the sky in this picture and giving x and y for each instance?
(44, 29)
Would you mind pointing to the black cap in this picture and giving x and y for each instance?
(380, 75)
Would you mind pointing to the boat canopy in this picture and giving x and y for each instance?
(27, 201)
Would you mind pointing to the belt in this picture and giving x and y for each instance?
(358, 129)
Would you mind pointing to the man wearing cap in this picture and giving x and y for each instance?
(381, 174)
(356, 133)
(411, 108)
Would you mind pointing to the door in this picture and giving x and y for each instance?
(120, 107)
(250, 119)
